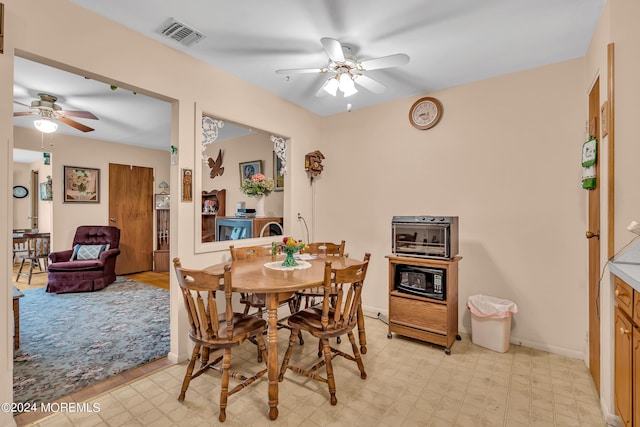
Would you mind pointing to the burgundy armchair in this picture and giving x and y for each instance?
(90, 265)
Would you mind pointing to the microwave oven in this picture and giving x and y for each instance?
(426, 282)
(425, 236)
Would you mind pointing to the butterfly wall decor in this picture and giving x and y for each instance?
(216, 166)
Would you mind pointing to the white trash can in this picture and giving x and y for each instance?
(491, 321)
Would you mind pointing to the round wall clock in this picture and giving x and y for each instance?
(20, 192)
(425, 113)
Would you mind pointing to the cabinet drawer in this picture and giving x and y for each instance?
(624, 296)
(418, 314)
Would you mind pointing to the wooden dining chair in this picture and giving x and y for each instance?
(37, 253)
(322, 249)
(19, 247)
(327, 321)
(256, 300)
(210, 330)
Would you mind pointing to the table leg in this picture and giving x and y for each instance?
(16, 323)
(272, 362)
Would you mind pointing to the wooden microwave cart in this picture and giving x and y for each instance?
(425, 319)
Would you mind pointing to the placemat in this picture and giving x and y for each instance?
(277, 265)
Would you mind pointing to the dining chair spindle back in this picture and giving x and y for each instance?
(344, 285)
(211, 330)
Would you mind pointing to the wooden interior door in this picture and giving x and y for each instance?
(131, 210)
(593, 234)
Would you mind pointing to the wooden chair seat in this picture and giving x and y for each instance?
(345, 287)
(211, 331)
(244, 325)
(310, 320)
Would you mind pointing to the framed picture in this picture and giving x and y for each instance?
(163, 201)
(45, 191)
(187, 185)
(248, 169)
(81, 185)
(604, 119)
(278, 179)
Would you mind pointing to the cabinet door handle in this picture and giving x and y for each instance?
(617, 292)
(624, 331)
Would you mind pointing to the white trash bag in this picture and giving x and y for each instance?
(492, 307)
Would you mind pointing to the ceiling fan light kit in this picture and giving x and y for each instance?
(45, 125)
(331, 86)
(348, 70)
(346, 85)
(49, 111)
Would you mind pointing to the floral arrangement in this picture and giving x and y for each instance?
(257, 185)
(80, 180)
(289, 246)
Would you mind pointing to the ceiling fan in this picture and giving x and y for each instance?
(346, 69)
(48, 110)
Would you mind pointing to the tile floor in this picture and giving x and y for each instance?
(409, 383)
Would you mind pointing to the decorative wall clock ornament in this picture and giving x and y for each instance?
(425, 113)
(313, 163)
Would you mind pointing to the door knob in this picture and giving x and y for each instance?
(624, 331)
(591, 235)
(112, 219)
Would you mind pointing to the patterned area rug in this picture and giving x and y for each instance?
(71, 341)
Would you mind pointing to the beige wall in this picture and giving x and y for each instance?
(128, 60)
(82, 151)
(505, 159)
(22, 207)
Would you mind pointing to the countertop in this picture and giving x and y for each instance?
(627, 266)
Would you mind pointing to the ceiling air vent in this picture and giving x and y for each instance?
(183, 34)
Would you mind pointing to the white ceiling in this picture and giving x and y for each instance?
(449, 43)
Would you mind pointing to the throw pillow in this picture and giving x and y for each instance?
(83, 252)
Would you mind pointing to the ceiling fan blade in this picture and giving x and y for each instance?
(25, 113)
(302, 71)
(333, 49)
(369, 84)
(20, 103)
(75, 124)
(385, 62)
(81, 114)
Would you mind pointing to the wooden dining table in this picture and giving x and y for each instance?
(252, 276)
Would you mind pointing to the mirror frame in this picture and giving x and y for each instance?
(204, 247)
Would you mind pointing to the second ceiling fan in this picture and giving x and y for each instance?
(48, 110)
(347, 69)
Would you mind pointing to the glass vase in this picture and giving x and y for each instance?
(289, 261)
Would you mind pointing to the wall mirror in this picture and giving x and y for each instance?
(226, 154)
